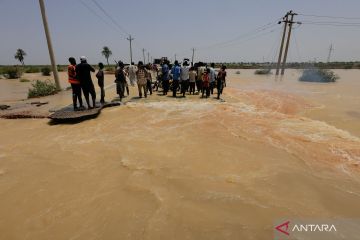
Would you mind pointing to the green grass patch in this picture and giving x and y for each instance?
(41, 89)
(24, 80)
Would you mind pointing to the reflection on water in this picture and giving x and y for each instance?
(186, 169)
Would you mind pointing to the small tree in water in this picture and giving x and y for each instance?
(106, 52)
(20, 55)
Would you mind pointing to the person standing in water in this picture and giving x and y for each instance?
(120, 80)
(75, 84)
(221, 77)
(141, 79)
(100, 77)
(83, 72)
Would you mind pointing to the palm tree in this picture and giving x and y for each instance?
(106, 52)
(20, 55)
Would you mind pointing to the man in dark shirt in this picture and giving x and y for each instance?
(83, 70)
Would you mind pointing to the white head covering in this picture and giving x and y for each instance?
(82, 58)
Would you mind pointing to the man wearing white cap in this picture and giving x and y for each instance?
(83, 70)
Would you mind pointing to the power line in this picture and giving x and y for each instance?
(95, 13)
(334, 17)
(252, 32)
(111, 18)
(251, 38)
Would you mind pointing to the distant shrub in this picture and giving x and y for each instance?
(24, 80)
(12, 72)
(263, 71)
(61, 68)
(318, 75)
(110, 70)
(42, 88)
(45, 71)
(32, 70)
(237, 72)
(348, 66)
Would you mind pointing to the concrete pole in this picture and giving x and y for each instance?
(287, 44)
(282, 44)
(48, 39)
(130, 40)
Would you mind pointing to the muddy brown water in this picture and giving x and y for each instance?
(189, 168)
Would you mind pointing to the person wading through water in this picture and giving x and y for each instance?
(83, 74)
(120, 80)
(75, 85)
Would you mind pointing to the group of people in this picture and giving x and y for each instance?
(170, 78)
(185, 79)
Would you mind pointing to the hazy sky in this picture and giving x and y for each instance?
(226, 30)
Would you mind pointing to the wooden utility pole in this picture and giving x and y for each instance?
(291, 22)
(48, 39)
(192, 58)
(285, 20)
(130, 40)
(148, 57)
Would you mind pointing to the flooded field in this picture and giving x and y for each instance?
(166, 168)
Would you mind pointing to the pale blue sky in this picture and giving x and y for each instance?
(167, 27)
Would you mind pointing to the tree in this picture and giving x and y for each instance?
(106, 52)
(20, 55)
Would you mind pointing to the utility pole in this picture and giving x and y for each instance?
(130, 40)
(291, 22)
(148, 57)
(331, 49)
(48, 39)
(143, 50)
(285, 20)
(175, 57)
(287, 41)
(192, 58)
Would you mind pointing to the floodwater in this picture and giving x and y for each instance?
(189, 168)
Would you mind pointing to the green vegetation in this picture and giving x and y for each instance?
(24, 80)
(263, 71)
(237, 72)
(106, 52)
(20, 55)
(46, 71)
(318, 75)
(42, 88)
(12, 72)
(32, 69)
(61, 68)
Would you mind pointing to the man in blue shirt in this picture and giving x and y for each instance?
(175, 72)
